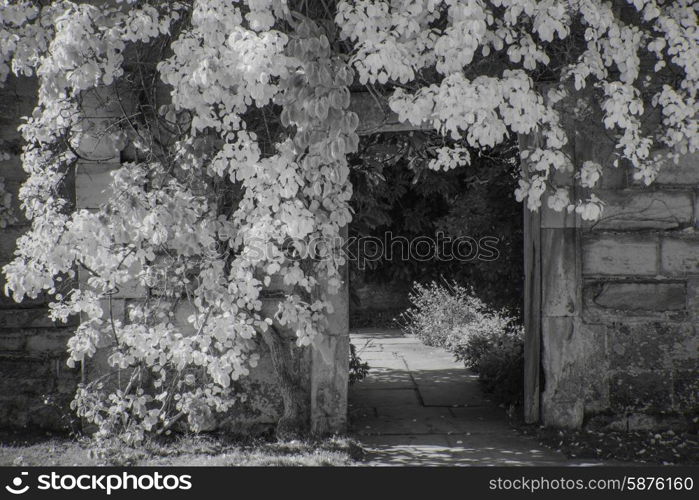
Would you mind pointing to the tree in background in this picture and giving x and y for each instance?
(396, 195)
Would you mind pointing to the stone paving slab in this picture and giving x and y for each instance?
(389, 380)
(429, 420)
(459, 394)
(418, 406)
(379, 398)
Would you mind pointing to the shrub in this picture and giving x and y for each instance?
(487, 341)
(498, 358)
(358, 370)
(437, 309)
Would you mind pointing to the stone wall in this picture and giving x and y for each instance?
(32, 348)
(620, 301)
(35, 383)
(375, 304)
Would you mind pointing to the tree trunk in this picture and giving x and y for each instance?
(295, 420)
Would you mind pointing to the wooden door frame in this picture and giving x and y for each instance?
(532, 315)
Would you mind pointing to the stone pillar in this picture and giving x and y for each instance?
(619, 301)
(330, 366)
(98, 159)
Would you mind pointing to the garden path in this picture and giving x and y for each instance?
(418, 406)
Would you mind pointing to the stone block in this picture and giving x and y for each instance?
(679, 257)
(13, 187)
(685, 172)
(18, 96)
(642, 296)
(48, 342)
(24, 385)
(595, 145)
(649, 391)
(614, 177)
(25, 318)
(93, 183)
(559, 274)
(12, 341)
(23, 366)
(330, 365)
(11, 169)
(686, 390)
(67, 382)
(651, 346)
(96, 140)
(329, 384)
(104, 102)
(643, 422)
(276, 284)
(574, 360)
(553, 219)
(634, 209)
(620, 255)
(118, 309)
(693, 298)
(8, 241)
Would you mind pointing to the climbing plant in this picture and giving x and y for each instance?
(240, 164)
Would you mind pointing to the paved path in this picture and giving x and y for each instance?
(420, 407)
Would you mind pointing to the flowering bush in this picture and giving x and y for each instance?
(488, 342)
(438, 310)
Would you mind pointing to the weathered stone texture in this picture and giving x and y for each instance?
(617, 255)
(92, 183)
(693, 299)
(686, 389)
(35, 383)
(685, 172)
(650, 346)
(628, 356)
(679, 256)
(643, 296)
(634, 209)
(376, 116)
(32, 348)
(576, 370)
(559, 275)
(649, 391)
(608, 301)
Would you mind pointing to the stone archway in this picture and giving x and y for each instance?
(612, 307)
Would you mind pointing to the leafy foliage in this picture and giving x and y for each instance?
(233, 118)
(487, 341)
(204, 215)
(397, 193)
(358, 369)
(635, 55)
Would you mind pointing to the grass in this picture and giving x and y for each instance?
(186, 450)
